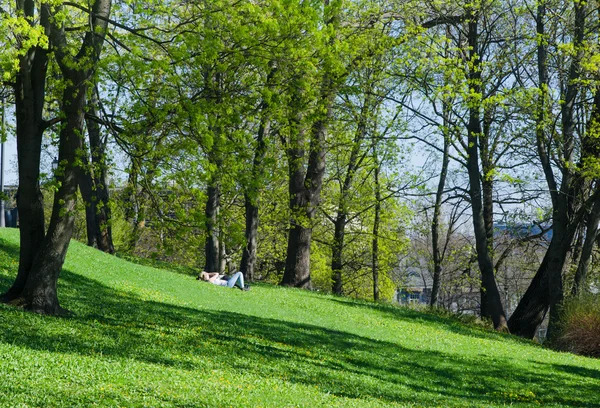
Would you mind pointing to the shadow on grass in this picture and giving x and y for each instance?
(116, 324)
(449, 323)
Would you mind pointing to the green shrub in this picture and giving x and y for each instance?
(580, 326)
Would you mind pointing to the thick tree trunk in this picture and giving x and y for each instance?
(475, 191)
(297, 264)
(532, 308)
(305, 187)
(40, 293)
(305, 190)
(30, 90)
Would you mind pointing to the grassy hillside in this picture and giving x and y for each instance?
(146, 337)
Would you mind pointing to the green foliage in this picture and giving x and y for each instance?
(579, 330)
(147, 337)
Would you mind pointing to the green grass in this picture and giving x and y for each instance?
(147, 337)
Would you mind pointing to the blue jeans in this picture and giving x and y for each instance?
(236, 280)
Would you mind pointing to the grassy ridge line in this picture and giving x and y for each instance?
(144, 337)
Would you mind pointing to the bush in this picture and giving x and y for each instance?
(579, 330)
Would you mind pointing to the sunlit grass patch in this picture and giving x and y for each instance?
(141, 336)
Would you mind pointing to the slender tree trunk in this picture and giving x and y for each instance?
(252, 193)
(212, 263)
(86, 188)
(337, 250)
(30, 91)
(571, 184)
(437, 212)
(337, 247)
(475, 191)
(487, 184)
(532, 308)
(135, 208)
(376, 223)
(591, 236)
(100, 179)
(248, 263)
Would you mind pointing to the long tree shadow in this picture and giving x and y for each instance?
(118, 325)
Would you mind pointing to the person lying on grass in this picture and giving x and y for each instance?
(236, 280)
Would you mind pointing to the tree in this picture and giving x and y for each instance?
(557, 151)
(42, 256)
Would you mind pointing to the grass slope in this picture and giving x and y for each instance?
(147, 337)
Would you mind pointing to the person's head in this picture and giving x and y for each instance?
(203, 276)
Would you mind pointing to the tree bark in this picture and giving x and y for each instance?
(212, 263)
(591, 236)
(305, 186)
(337, 247)
(487, 184)
(30, 91)
(304, 189)
(40, 293)
(45, 258)
(437, 212)
(252, 193)
(376, 222)
(99, 175)
(86, 188)
(565, 200)
(475, 191)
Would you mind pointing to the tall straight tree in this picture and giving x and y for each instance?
(306, 178)
(567, 185)
(475, 132)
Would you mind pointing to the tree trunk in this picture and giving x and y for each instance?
(252, 193)
(248, 263)
(40, 293)
(30, 91)
(100, 179)
(337, 247)
(297, 264)
(475, 191)
(437, 211)
(487, 183)
(86, 188)
(305, 187)
(591, 236)
(212, 263)
(376, 223)
(305, 190)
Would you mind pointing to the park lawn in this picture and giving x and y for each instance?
(141, 336)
